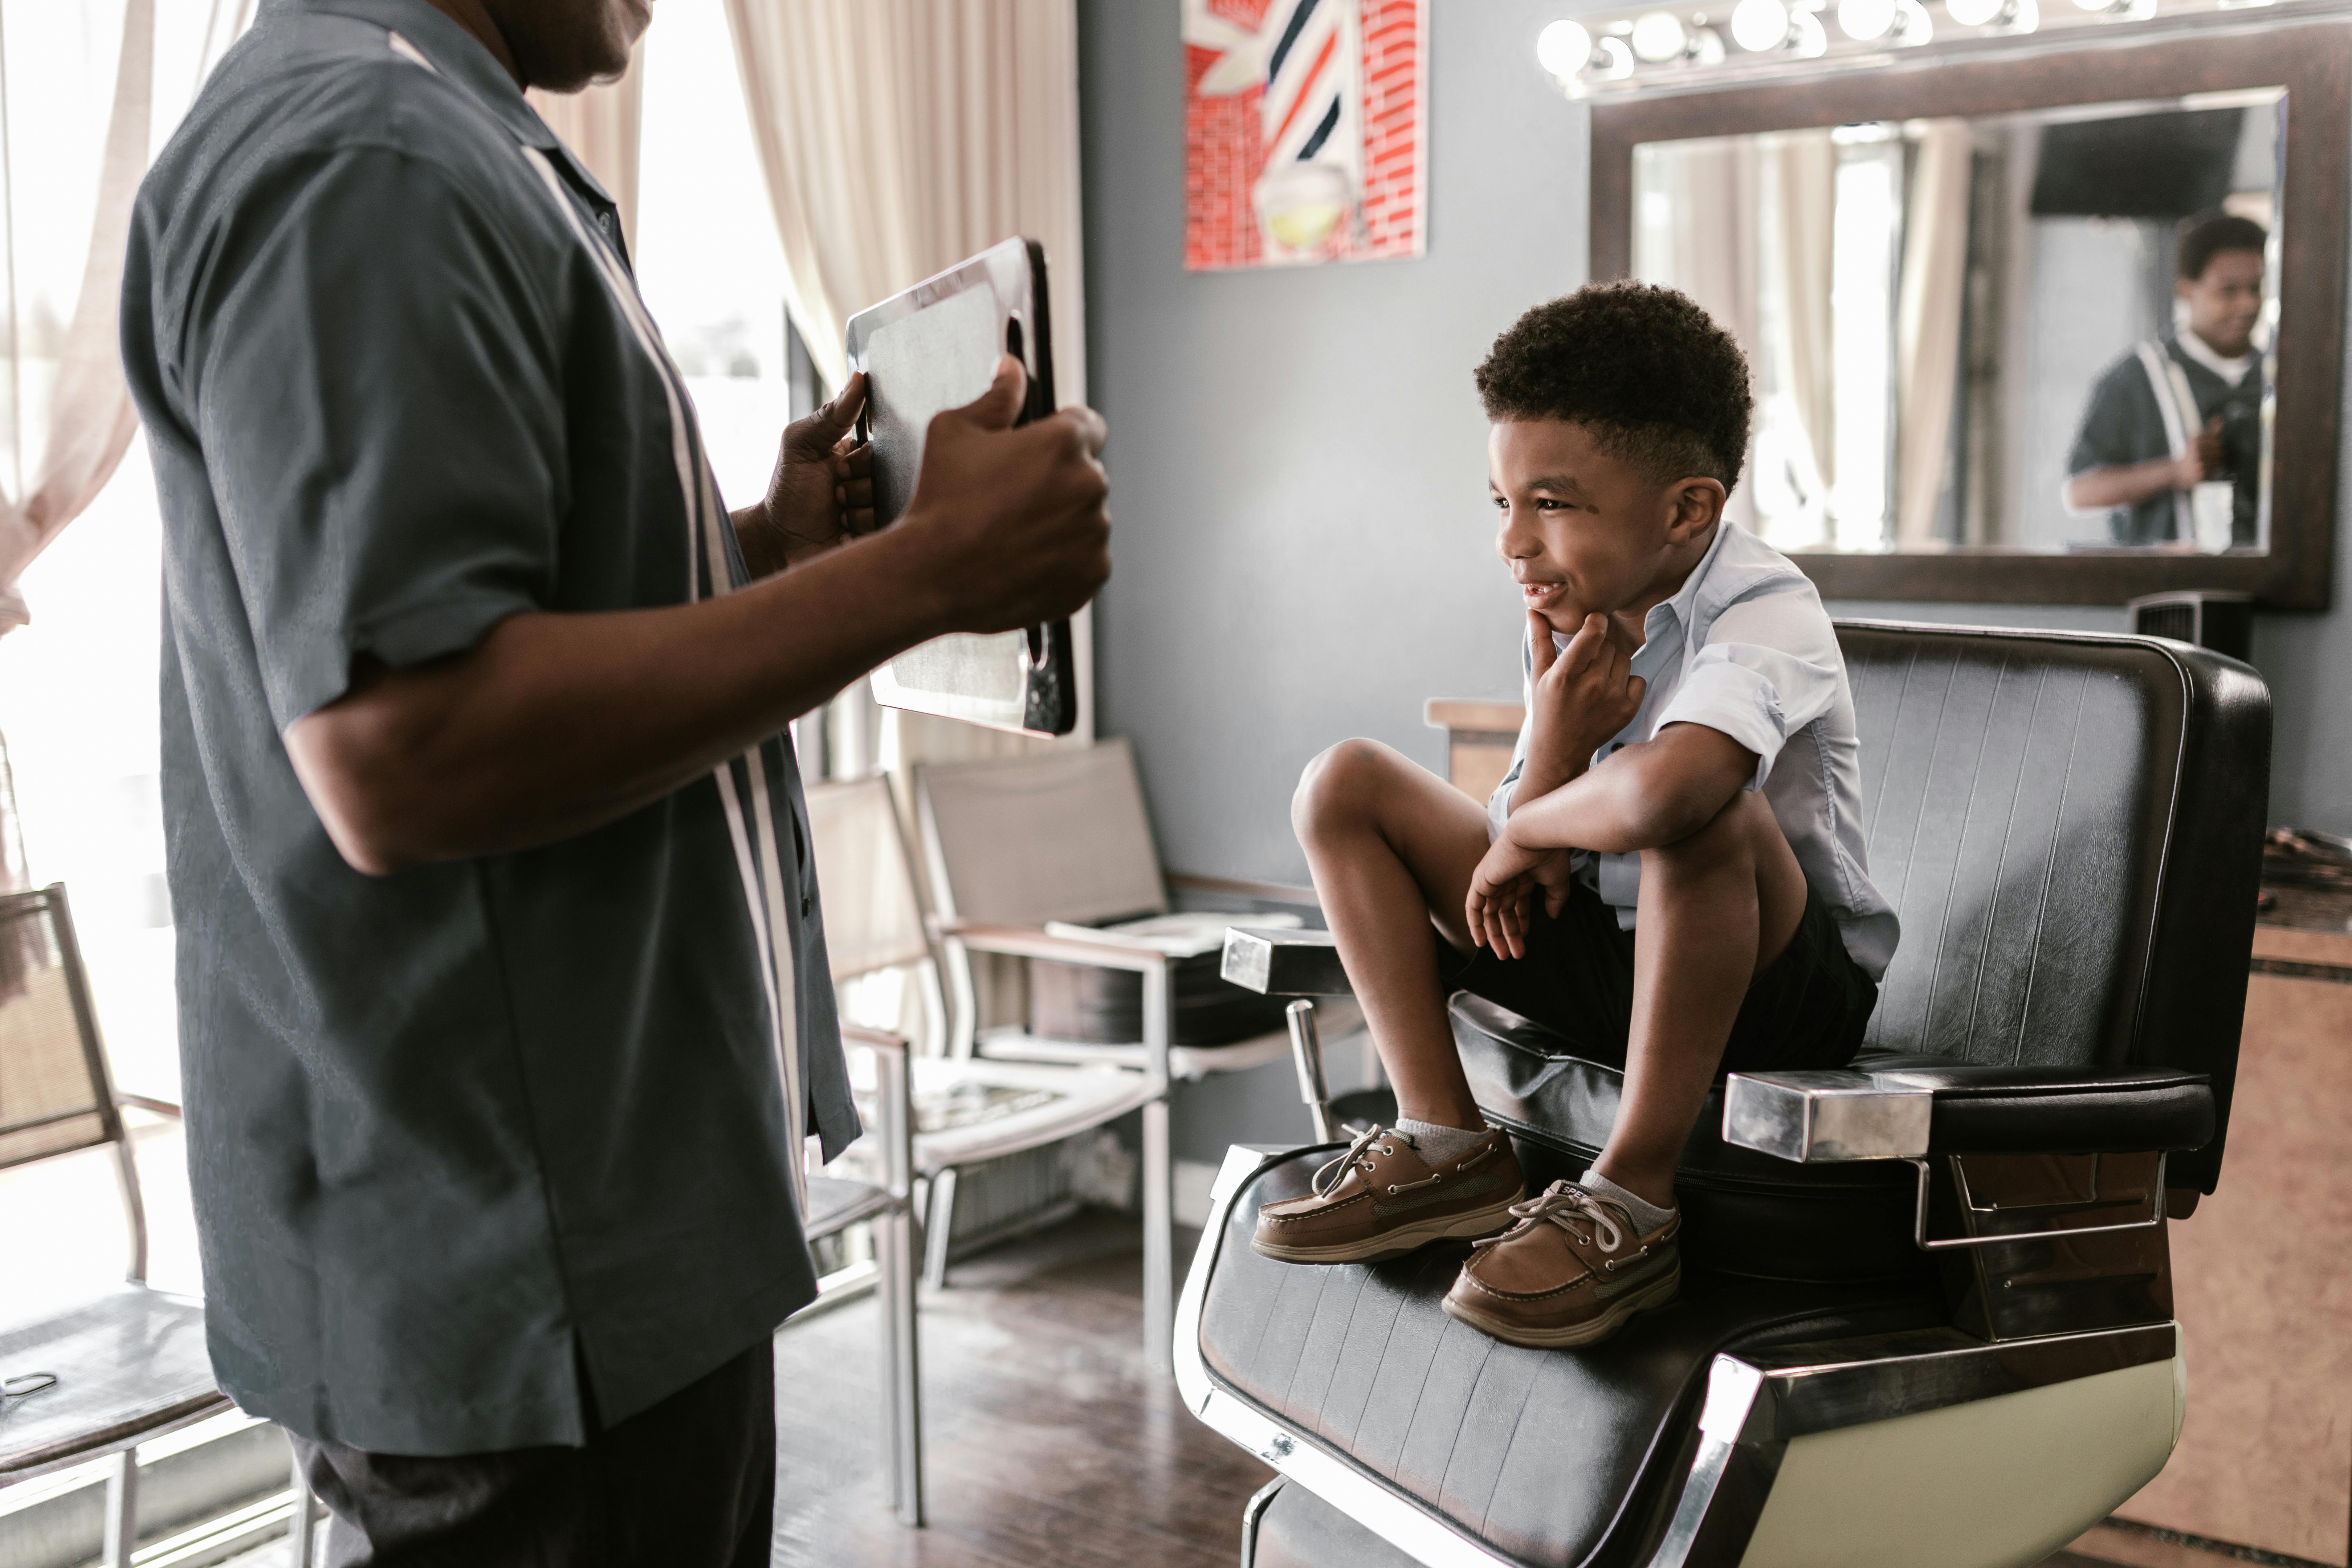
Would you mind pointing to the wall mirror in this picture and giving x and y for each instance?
(1980, 369)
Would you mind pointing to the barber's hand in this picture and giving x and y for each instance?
(2203, 460)
(1012, 521)
(822, 491)
(1502, 890)
(1583, 694)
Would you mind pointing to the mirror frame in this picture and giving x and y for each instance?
(2311, 61)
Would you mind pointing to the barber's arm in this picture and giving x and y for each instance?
(2128, 484)
(556, 723)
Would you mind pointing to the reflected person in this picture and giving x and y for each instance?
(2184, 411)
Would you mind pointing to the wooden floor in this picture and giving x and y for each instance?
(1049, 1443)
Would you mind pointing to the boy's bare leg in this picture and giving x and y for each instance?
(1716, 909)
(1393, 846)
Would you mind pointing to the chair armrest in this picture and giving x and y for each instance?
(1912, 1113)
(873, 1040)
(151, 1106)
(1284, 962)
(1027, 941)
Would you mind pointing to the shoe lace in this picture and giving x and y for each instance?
(1335, 1170)
(1570, 1208)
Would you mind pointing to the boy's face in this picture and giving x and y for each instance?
(1582, 529)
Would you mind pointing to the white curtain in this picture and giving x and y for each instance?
(1803, 181)
(600, 125)
(1697, 230)
(68, 184)
(897, 139)
(1927, 324)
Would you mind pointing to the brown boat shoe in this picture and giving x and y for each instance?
(1569, 1273)
(1380, 1199)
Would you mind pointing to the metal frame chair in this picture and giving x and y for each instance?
(1062, 835)
(874, 924)
(130, 1366)
(835, 1204)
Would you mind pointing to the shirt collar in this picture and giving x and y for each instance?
(2233, 371)
(454, 53)
(1677, 609)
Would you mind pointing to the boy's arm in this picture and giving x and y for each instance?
(1654, 791)
(1651, 792)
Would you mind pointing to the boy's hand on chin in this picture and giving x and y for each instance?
(1583, 694)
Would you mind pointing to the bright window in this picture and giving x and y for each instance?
(706, 255)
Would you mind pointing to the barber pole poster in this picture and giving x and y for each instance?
(1303, 130)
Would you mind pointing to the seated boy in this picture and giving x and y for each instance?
(1688, 756)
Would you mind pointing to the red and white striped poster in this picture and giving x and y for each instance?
(1304, 136)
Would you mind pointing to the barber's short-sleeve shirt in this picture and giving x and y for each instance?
(2123, 425)
(466, 1136)
(1745, 647)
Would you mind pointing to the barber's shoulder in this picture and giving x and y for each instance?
(284, 105)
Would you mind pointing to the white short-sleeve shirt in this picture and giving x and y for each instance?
(1743, 647)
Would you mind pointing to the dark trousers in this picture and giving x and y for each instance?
(688, 1483)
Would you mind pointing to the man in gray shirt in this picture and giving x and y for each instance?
(503, 992)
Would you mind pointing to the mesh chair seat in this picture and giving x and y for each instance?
(129, 1365)
(967, 1111)
(835, 1204)
(1338, 1017)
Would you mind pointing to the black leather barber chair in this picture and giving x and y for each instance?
(1926, 1310)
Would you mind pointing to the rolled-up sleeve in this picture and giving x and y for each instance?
(380, 404)
(1769, 667)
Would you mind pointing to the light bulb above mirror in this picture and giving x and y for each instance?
(1563, 48)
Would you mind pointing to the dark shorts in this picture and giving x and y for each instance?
(688, 1483)
(1807, 1009)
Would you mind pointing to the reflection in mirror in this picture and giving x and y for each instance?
(2041, 332)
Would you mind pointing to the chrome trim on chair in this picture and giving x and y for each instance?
(1292, 1453)
(1306, 1055)
(1755, 1406)
(1829, 1117)
(1969, 1205)
(1285, 963)
(1252, 1511)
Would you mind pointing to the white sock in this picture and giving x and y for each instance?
(1439, 1144)
(1647, 1216)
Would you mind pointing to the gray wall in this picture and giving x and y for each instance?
(1303, 541)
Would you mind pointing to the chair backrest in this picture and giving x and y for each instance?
(2069, 826)
(873, 916)
(1056, 835)
(56, 1095)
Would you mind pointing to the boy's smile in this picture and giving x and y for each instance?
(1585, 531)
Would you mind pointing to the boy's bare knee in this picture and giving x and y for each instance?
(1339, 786)
(1728, 839)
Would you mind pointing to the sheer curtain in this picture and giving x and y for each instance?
(896, 140)
(1927, 324)
(600, 124)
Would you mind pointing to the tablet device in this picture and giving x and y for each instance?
(933, 348)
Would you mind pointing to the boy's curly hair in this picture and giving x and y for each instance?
(1642, 367)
